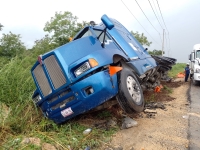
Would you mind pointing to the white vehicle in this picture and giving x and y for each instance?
(194, 63)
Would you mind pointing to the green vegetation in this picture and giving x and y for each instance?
(179, 67)
(25, 120)
(1, 26)
(151, 98)
(169, 90)
(156, 52)
(104, 114)
(141, 38)
(11, 45)
(62, 27)
(19, 117)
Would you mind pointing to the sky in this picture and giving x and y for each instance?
(178, 26)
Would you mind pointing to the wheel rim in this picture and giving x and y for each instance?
(133, 89)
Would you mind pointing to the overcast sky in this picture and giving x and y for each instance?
(181, 17)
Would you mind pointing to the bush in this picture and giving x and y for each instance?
(24, 119)
(179, 67)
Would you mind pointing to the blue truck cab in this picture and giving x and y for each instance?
(101, 62)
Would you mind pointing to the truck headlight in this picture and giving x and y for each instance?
(91, 63)
(37, 99)
(83, 68)
(197, 70)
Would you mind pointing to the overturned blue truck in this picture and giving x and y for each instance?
(101, 62)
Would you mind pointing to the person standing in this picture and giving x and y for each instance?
(187, 72)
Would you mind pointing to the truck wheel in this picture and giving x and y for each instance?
(130, 95)
(195, 82)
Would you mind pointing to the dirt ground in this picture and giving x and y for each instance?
(164, 130)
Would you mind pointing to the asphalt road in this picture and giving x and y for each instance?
(194, 118)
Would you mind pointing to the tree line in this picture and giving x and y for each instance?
(60, 29)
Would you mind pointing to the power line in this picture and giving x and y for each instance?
(163, 22)
(155, 8)
(158, 18)
(162, 16)
(155, 14)
(146, 16)
(166, 40)
(138, 21)
(148, 20)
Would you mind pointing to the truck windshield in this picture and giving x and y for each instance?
(87, 32)
(100, 35)
(198, 54)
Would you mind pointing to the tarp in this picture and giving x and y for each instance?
(181, 75)
(158, 88)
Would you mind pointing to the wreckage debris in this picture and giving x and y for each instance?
(106, 124)
(87, 131)
(128, 123)
(150, 109)
(155, 105)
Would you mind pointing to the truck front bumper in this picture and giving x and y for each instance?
(196, 76)
(81, 97)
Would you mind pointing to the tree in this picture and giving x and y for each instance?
(79, 26)
(44, 45)
(11, 45)
(1, 26)
(156, 52)
(141, 38)
(62, 27)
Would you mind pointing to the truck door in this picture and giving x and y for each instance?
(192, 62)
(132, 47)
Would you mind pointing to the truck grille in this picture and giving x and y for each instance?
(42, 80)
(63, 103)
(54, 71)
(60, 95)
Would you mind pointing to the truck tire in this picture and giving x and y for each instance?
(130, 95)
(196, 83)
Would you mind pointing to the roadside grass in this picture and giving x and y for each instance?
(67, 136)
(179, 67)
(24, 120)
(151, 98)
(168, 89)
(104, 114)
(3, 61)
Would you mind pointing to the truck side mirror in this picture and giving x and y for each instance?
(107, 22)
(189, 57)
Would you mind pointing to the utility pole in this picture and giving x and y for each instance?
(163, 42)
